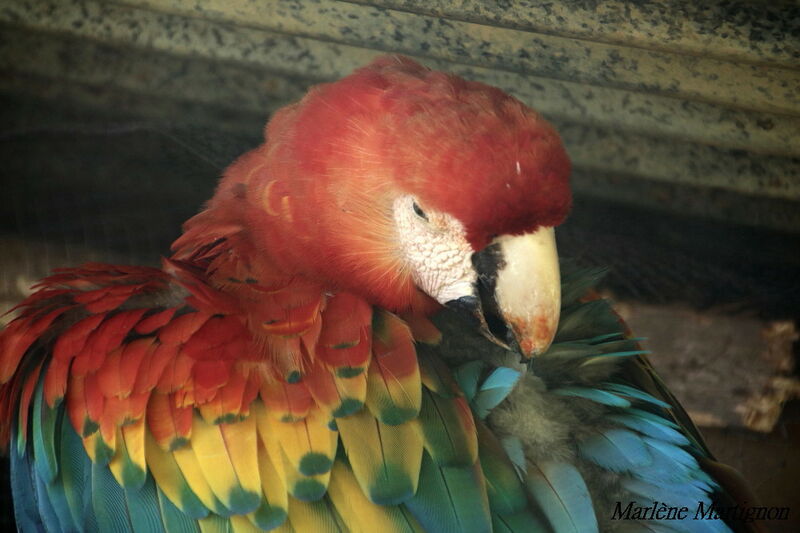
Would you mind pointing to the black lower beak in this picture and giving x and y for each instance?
(480, 309)
(469, 307)
(488, 262)
(516, 296)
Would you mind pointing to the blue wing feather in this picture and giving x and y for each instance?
(108, 501)
(618, 450)
(46, 508)
(632, 392)
(494, 389)
(595, 395)
(467, 376)
(26, 508)
(513, 448)
(143, 508)
(660, 431)
(561, 493)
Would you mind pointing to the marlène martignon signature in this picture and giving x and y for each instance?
(661, 511)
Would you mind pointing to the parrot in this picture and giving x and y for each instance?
(367, 328)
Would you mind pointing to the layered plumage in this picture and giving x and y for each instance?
(281, 371)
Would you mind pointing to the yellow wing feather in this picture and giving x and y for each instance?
(189, 466)
(241, 442)
(318, 517)
(128, 464)
(385, 459)
(217, 466)
(309, 444)
(360, 514)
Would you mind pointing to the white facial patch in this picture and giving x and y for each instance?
(436, 249)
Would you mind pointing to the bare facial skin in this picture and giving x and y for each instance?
(527, 286)
(436, 250)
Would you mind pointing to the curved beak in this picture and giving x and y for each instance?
(517, 297)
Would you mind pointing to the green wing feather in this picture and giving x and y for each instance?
(448, 429)
(45, 422)
(173, 519)
(450, 499)
(108, 501)
(385, 459)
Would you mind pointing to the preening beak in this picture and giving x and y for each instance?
(518, 294)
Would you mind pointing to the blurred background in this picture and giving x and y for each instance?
(682, 121)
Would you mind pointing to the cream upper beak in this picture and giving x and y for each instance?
(516, 300)
(527, 289)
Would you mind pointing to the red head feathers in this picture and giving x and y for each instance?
(316, 197)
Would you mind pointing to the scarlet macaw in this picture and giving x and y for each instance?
(281, 371)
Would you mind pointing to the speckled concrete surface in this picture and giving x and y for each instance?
(338, 43)
(756, 32)
(757, 87)
(196, 80)
(622, 153)
(626, 144)
(684, 200)
(643, 121)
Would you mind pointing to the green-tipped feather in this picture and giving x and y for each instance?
(268, 516)
(435, 375)
(385, 459)
(315, 516)
(448, 430)
(450, 499)
(171, 481)
(215, 524)
(173, 519)
(45, 421)
(504, 487)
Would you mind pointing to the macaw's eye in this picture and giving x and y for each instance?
(420, 213)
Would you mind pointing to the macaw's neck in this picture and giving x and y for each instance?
(220, 267)
(289, 311)
(298, 323)
(269, 223)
